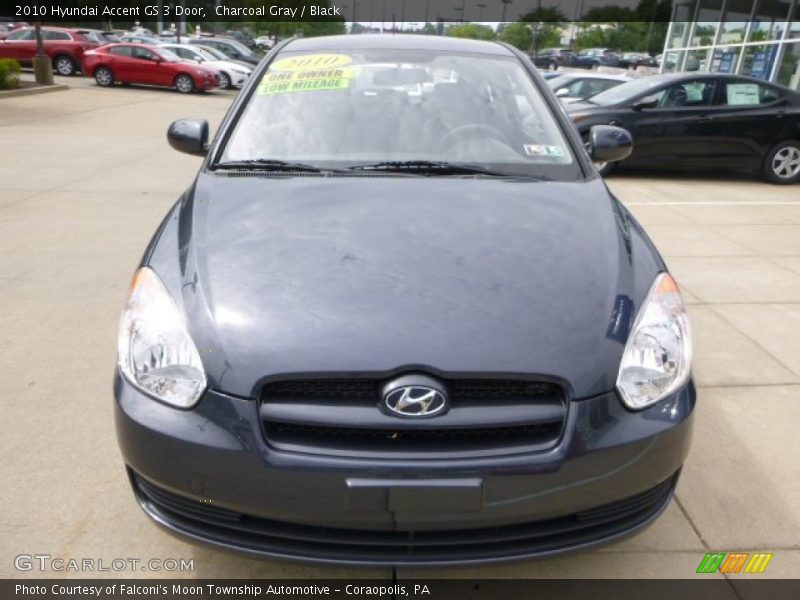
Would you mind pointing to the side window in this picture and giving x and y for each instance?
(688, 94)
(21, 35)
(121, 50)
(52, 36)
(143, 54)
(745, 93)
(184, 53)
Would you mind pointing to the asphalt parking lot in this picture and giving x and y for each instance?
(86, 176)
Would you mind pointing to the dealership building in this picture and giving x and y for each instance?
(757, 38)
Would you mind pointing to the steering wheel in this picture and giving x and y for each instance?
(472, 130)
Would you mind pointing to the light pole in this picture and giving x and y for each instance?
(505, 6)
(42, 65)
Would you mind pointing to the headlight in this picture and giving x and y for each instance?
(657, 358)
(156, 352)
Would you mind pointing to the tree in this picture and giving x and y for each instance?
(473, 31)
(547, 24)
(518, 35)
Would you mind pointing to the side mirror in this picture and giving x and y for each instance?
(645, 103)
(189, 136)
(562, 92)
(609, 143)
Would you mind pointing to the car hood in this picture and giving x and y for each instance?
(384, 274)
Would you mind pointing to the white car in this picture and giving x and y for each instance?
(231, 74)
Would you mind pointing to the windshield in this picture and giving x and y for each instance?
(561, 80)
(214, 53)
(241, 48)
(368, 107)
(627, 91)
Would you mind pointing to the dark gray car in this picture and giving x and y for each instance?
(398, 318)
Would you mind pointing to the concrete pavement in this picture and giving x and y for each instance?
(85, 179)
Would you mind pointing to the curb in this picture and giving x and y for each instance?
(43, 89)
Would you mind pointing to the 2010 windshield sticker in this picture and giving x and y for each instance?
(539, 150)
(312, 72)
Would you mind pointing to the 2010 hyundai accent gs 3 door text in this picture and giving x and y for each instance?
(398, 318)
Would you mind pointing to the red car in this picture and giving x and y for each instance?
(149, 65)
(65, 47)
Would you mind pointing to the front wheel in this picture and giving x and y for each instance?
(224, 81)
(104, 77)
(184, 84)
(64, 65)
(782, 163)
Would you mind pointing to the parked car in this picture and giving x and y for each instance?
(592, 58)
(11, 23)
(148, 65)
(377, 335)
(141, 38)
(264, 42)
(572, 87)
(693, 120)
(242, 37)
(632, 60)
(64, 46)
(221, 56)
(231, 48)
(230, 74)
(553, 58)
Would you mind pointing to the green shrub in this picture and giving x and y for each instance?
(9, 73)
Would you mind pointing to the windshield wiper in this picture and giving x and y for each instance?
(269, 164)
(433, 167)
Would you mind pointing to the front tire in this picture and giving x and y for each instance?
(184, 84)
(104, 77)
(64, 65)
(782, 163)
(225, 81)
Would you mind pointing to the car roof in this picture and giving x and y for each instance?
(579, 75)
(396, 42)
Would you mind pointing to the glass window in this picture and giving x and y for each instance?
(431, 105)
(143, 54)
(682, 18)
(121, 50)
(789, 67)
(758, 60)
(724, 60)
(734, 26)
(747, 93)
(687, 94)
(697, 60)
(20, 35)
(708, 17)
(770, 20)
(52, 36)
(671, 61)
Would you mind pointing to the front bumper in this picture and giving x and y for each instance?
(208, 474)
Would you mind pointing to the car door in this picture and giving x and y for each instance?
(19, 45)
(121, 62)
(145, 67)
(667, 124)
(749, 117)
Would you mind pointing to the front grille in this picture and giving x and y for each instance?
(341, 417)
(277, 538)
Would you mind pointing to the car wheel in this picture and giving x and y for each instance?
(64, 65)
(595, 66)
(104, 77)
(224, 81)
(782, 164)
(604, 168)
(184, 84)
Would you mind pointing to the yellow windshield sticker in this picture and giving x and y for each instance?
(307, 73)
(311, 62)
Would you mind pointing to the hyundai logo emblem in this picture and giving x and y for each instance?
(415, 401)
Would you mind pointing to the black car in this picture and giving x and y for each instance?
(398, 318)
(702, 121)
(632, 60)
(553, 58)
(593, 58)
